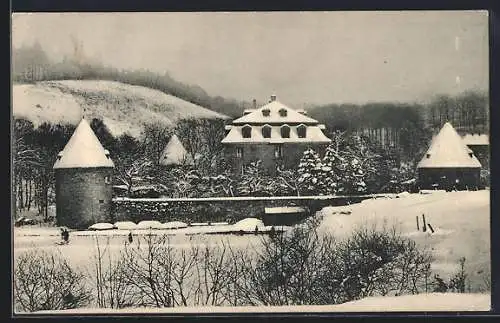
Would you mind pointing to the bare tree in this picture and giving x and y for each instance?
(46, 281)
(155, 137)
(128, 174)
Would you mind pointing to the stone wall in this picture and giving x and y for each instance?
(83, 197)
(213, 209)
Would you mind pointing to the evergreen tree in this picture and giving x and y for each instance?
(332, 164)
(311, 174)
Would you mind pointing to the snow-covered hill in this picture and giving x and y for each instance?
(122, 107)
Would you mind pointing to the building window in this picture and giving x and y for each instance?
(246, 131)
(301, 131)
(107, 180)
(239, 152)
(278, 151)
(266, 131)
(283, 112)
(285, 131)
(266, 112)
(101, 201)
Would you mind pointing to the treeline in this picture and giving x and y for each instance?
(407, 128)
(32, 64)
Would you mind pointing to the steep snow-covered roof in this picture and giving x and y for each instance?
(476, 140)
(448, 150)
(313, 135)
(83, 150)
(274, 107)
(174, 153)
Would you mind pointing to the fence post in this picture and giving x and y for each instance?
(424, 227)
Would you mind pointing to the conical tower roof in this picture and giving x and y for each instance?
(174, 153)
(83, 150)
(448, 150)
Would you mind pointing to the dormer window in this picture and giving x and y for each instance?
(266, 112)
(59, 156)
(283, 112)
(266, 131)
(106, 152)
(246, 131)
(301, 131)
(285, 131)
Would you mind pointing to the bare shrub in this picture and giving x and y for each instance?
(108, 278)
(149, 272)
(486, 282)
(304, 267)
(379, 262)
(45, 281)
(459, 279)
(213, 274)
(286, 270)
(185, 287)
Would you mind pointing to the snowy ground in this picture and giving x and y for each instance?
(409, 303)
(461, 221)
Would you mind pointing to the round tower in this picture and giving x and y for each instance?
(83, 174)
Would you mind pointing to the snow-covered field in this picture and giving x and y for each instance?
(409, 303)
(461, 221)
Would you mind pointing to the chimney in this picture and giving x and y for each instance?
(273, 97)
(254, 104)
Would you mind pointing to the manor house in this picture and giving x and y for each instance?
(275, 134)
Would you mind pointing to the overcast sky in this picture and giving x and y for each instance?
(314, 57)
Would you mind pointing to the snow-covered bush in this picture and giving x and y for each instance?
(149, 224)
(175, 225)
(125, 225)
(248, 225)
(45, 281)
(101, 226)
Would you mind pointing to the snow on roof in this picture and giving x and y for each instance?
(174, 153)
(476, 140)
(448, 150)
(286, 209)
(274, 108)
(83, 150)
(313, 134)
